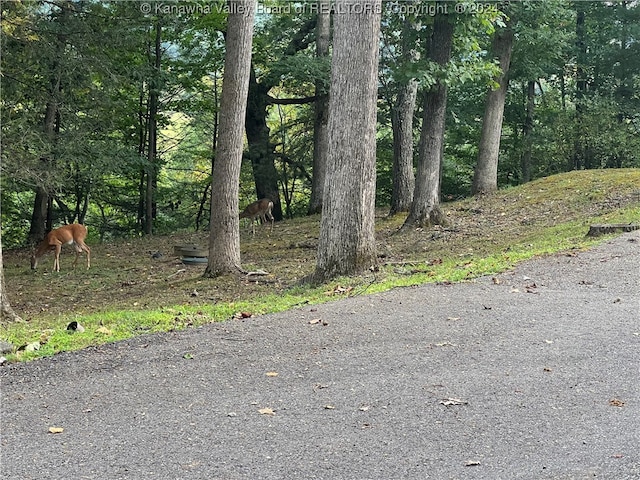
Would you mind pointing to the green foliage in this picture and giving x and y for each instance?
(92, 60)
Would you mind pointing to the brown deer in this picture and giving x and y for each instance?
(68, 234)
(259, 210)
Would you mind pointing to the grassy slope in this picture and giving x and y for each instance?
(126, 292)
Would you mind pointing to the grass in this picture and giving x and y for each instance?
(127, 292)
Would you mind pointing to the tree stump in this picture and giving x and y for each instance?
(603, 229)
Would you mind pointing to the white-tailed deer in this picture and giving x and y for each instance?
(68, 234)
(258, 210)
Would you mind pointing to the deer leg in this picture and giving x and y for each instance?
(88, 250)
(56, 260)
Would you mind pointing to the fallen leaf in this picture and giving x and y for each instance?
(453, 401)
(314, 321)
(56, 429)
(271, 374)
(266, 411)
(496, 281)
(32, 347)
(614, 402)
(187, 356)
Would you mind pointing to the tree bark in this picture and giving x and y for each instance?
(485, 177)
(260, 147)
(402, 111)
(154, 95)
(402, 126)
(224, 239)
(321, 112)
(41, 217)
(7, 314)
(527, 132)
(425, 208)
(347, 237)
(581, 152)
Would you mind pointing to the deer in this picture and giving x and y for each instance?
(74, 233)
(258, 210)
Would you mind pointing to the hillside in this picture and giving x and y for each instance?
(127, 291)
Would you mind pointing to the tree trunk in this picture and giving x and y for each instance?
(154, 94)
(321, 113)
(260, 147)
(38, 226)
(581, 156)
(7, 313)
(527, 132)
(41, 214)
(402, 111)
(485, 177)
(224, 238)
(347, 237)
(402, 127)
(425, 208)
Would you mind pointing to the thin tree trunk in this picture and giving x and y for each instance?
(347, 237)
(7, 314)
(224, 238)
(527, 132)
(485, 177)
(321, 113)
(154, 94)
(425, 208)
(581, 150)
(41, 217)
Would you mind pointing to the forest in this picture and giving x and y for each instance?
(110, 110)
(380, 133)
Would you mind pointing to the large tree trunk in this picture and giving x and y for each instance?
(224, 238)
(321, 113)
(347, 237)
(485, 177)
(260, 147)
(425, 208)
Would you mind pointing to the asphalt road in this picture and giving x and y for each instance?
(535, 375)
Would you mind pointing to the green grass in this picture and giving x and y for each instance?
(545, 217)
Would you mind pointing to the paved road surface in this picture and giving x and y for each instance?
(536, 377)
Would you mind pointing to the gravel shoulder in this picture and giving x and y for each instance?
(532, 374)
